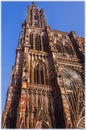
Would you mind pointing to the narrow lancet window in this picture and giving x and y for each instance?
(37, 42)
(31, 40)
(39, 74)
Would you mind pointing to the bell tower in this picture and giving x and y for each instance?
(35, 17)
(33, 103)
(35, 109)
(30, 82)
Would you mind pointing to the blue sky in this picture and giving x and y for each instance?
(63, 16)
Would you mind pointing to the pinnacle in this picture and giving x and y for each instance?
(33, 3)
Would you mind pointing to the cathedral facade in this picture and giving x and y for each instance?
(47, 80)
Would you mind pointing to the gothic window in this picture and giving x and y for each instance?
(36, 24)
(25, 76)
(36, 17)
(63, 36)
(55, 35)
(43, 39)
(46, 78)
(42, 78)
(31, 40)
(37, 42)
(42, 124)
(74, 87)
(31, 17)
(45, 43)
(59, 47)
(40, 74)
(68, 49)
(37, 75)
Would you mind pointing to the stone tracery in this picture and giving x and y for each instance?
(45, 86)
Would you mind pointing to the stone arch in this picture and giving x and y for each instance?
(38, 42)
(71, 74)
(40, 72)
(38, 61)
(42, 124)
(25, 75)
(74, 89)
(81, 123)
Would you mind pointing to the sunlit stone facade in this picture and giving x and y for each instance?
(47, 80)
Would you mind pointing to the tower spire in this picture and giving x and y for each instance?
(35, 17)
(33, 3)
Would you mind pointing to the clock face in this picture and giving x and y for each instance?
(71, 78)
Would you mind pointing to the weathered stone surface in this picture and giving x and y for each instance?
(47, 81)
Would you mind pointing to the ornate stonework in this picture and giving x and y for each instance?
(47, 80)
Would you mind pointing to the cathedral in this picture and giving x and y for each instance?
(47, 81)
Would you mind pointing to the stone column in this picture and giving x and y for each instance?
(34, 41)
(35, 69)
(47, 70)
(67, 111)
(32, 111)
(29, 69)
(52, 112)
(44, 70)
(37, 105)
(32, 69)
(27, 111)
(41, 44)
(30, 108)
(32, 18)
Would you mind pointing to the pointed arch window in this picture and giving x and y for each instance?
(31, 40)
(74, 87)
(45, 43)
(59, 47)
(36, 17)
(25, 76)
(42, 77)
(43, 39)
(40, 74)
(37, 42)
(42, 124)
(68, 49)
(36, 24)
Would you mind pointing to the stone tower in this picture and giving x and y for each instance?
(47, 81)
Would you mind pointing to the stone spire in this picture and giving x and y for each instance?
(35, 17)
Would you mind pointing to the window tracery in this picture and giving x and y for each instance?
(59, 48)
(40, 74)
(36, 17)
(73, 82)
(31, 40)
(38, 42)
(25, 75)
(68, 49)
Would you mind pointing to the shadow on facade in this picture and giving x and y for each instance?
(76, 47)
(59, 114)
(11, 117)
